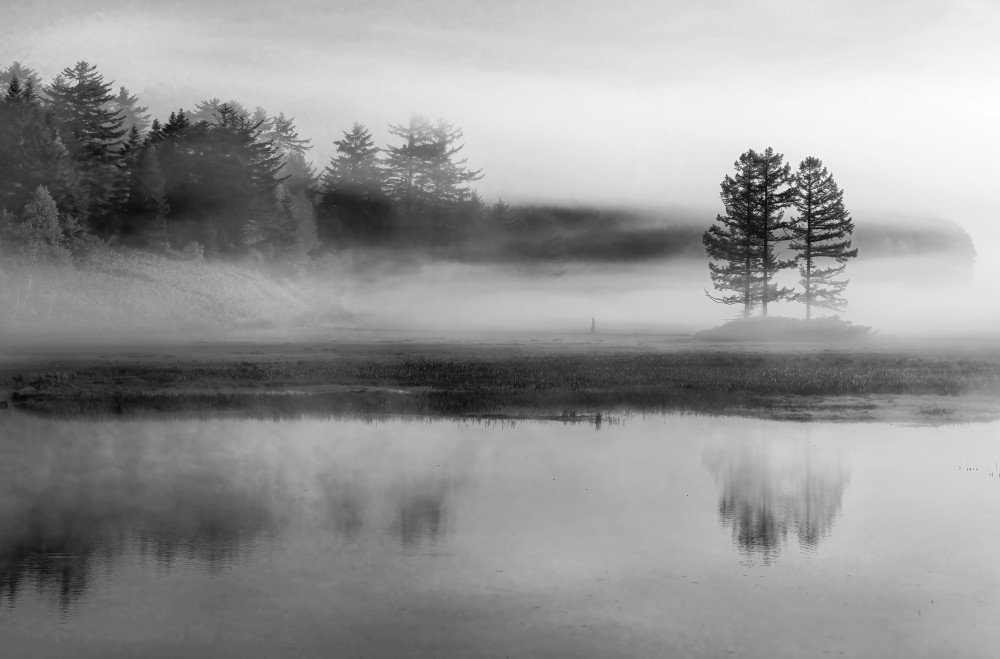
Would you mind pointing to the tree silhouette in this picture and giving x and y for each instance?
(732, 242)
(821, 231)
(21, 72)
(352, 206)
(135, 114)
(428, 180)
(91, 128)
(406, 164)
(355, 168)
(31, 151)
(742, 244)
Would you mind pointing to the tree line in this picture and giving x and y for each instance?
(80, 163)
(743, 245)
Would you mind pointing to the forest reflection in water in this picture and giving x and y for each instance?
(661, 536)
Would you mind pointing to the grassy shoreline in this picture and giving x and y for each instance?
(500, 381)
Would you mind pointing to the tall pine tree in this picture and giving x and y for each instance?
(40, 231)
(742, 245)
(773, 177)
(31, 151)
(355, 168)
(135, 114)
(406, 164)
(427, 179)
(240, 175)
(732, 242)
(282, 132)
(352, 208)
(208, 110)
(821, 232)
(92, 130)
(298, 184)
(23, 73)
(452, 202)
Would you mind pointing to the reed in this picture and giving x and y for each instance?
(517, 384)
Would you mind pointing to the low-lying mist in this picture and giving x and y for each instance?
(912, 295)
(623, 273)
(646, 272)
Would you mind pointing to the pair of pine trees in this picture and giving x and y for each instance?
(743, 244)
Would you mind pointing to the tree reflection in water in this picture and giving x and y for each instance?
(77, 501)
(423, 496)
(73, 499)
(770, 486)
(57, 550)
(421, 519)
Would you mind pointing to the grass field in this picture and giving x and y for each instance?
(567, 379)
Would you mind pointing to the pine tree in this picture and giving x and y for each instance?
(92, 130)
(31, 151)
(128, 170)
(12, 90)
(355, 169)
(258, 117)
(40, 231)
(239, 178)
(155, 131)
(42, 241)
(21, 72)
(742, 245)
(773, 177)
(135, 114)
(425, 177)
(168, 167)
(821, 231)
(453, 204)
(448, 176)
(145, 208)
(732, 242)
(281, 131)
(500, 212)
(208, 111)
(298, 173)
(352, 207)
(406, 164)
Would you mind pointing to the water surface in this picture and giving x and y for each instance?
(661, 536)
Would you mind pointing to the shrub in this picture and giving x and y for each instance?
(193, 251)
(780, 328)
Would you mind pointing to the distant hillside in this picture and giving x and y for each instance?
(886, 237)
(597, 235)
(602, 235)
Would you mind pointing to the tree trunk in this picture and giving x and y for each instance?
(809, 269)
(747, 307)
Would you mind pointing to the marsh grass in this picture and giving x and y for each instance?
(515, 385)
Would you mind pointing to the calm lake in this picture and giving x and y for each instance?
(659, 536)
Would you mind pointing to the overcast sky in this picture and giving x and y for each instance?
(642, 102)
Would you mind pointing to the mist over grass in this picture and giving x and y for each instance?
(556, 271)
(122, 288)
